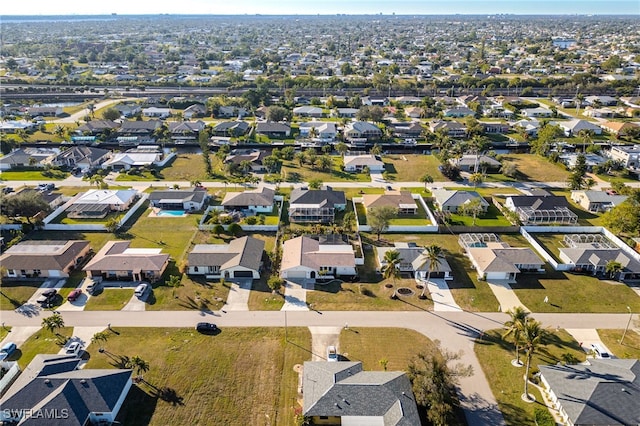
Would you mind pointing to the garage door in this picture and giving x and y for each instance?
(243, 274)
(296, 274)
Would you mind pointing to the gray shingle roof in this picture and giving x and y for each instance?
(263, 197)
(194, 195)
(324, 197)
(245, 252)
(44, 255)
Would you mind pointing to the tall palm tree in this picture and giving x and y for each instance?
(391, 268)
(139, 364)
(514, 327)
(53, 323)
(433, 254)
(427, 178)
(612, 268)
(100, 337)
(532, 335)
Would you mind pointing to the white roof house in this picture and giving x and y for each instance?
(120, 197)
(573, 127)
(353, 163)
(126, 160)
(308, 258)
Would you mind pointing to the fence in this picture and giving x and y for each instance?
(401, 228)
(245, 227)
(9, 376)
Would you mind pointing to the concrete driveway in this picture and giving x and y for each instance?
(295, 297)
(56, 283)
(238, 298)
(76, 305)
(135, 304)
(321, 338)
(83, 336)
(443, 300)
(19, 335)
(586, 337)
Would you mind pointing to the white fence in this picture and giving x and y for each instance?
(255, 228)
(10, 226)
(401, 228)
(10, 375)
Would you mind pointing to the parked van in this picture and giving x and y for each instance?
(141, 289)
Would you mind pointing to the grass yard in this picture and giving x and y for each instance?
(109, 299)
(370, 345)
(411, 167)
(291, 171)
(240, 376)
(42, 342)
(16, 293)
(420, 219)
(194, 293)
(534, 168)
(507, 382)
(470, 293)
(33, 175)
(4, 331)
(569, 292)
(492, 217)
(172, 234)
(585, 218)
(630, 347)
(262, 299)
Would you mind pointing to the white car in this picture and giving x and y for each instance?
(600, 352)
(73, 349)
(332, 354)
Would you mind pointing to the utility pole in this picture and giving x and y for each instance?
(627, 327)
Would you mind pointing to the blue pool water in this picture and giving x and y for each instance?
(171, 213)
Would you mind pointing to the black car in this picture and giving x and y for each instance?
(206, 327)
(50, 292)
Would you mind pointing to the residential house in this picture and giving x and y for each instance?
(453, 129)
(308, 111)
(474, 163)
(570, 159)
(82, 157)
(117, 261)
(402, 201)
(231, 128)
(139, 128)
(44, 259)
(13, 126)
(129, 110)
(530, 127)
(370, 101)
(272, 129)
(253, 156)
(541, 209)
(258, 201)
(618, 128)
(601, 100)
(408, 129)
(157, 112)
(498, 261)
(408, 100)
(179, 199)
(362, 130)
(453, 201)
(599, 392)
(54, 199)
(97, 127)
(597, 201)
(341, 393)
(98, 203)
(23, 157)
(594, 257)
(241, 258)
(194, 111)
(414, 112)
(230, 111)
(628, 156)
(56, 390)
(185, 131)
(45, 111)
(458, 112)
(495, 127)
(414, 260)
(357, 163)
(346, 112)
(315, 206)
(325, 131)
(603, 112)
(135, 157)
(310, 259)
(573, 127)
(536, 112)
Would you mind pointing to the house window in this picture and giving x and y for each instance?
(11, 272)
(214, 269)
(195, 269)
(37, 271)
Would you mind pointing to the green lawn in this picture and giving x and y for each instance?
(42, 342)
(369, 345)
(240, 376)
(4, 331)
(630, 347)
(14, 294)
(172, 234)
(291, 171)
(262, 299)
(411, 167)
(185, 167)
(534, 168)
(507, 382)
(585, 218)
(569, 292)
(32, 175)
(493, 217)
(420, 219)
(110, 299)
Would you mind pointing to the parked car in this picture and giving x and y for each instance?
(332, 354)
(206, 327)
(47, 297)
(94, 288)
(74, 294)
(7, 350)
(7, 190)
(73, 349)
(599, 351)
(141, 289)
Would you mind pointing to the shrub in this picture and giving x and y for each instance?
(251, 220)
(543, 417)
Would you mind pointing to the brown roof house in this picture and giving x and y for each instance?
(496, 260)
(33, 259)
(308, 258)
(117, 261)
(241, 258)
(258, 201)
(401, 200)
(342, 393)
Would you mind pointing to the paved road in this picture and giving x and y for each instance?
(79, 116)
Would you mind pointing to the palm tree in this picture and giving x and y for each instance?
(139, 364)
(100, 337)
(612, 268)
(391, 268)
(53, 323)
(476, 179)
(514, 328)
(433, 254)
(427, 178)
(313, 133)
(532, 334)
(342, 148)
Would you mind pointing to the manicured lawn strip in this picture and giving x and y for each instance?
(630, 347)
(64, 219)
(262, 299)
(4, 331)
(306, 173)
(240, 376)
(552, 243)
(532, 167)
(420, 219)
(569, 292)
(361, 213)
(14, 294)
(194, 293)
(370, 345)
(493, 217)
(470, 293)
(411, 167)
(110, 299)
(172, 234)
(42, 342)
(32, 175)
(507, 382)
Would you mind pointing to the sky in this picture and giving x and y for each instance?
(323, 7)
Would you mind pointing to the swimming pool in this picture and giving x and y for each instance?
(174, 213)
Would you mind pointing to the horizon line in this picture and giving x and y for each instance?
(321, 14)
